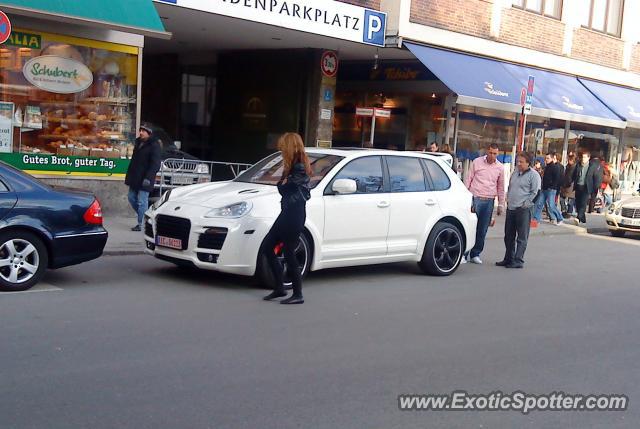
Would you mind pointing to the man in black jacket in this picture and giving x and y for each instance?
(141, 175)
(550, 183)
(587, 178)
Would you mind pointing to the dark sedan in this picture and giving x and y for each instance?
(43, 227)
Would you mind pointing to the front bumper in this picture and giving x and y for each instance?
(619, 223)
(237, 255)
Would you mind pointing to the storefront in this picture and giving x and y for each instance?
(70, 91)
(565, 115)
(71, 104)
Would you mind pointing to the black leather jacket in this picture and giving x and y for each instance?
(296, 190)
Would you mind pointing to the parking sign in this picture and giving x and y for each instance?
(375, 24)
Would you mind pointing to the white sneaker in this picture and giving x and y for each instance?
(463, 260)
(476, 260)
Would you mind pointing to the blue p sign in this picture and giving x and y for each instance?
(375, 24)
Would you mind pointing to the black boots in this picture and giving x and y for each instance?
(275, 294)
(293, 299)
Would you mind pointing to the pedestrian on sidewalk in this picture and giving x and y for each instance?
(141, 174)
(567, 191)
(294, 189)
(587, 178)
(523, 187)
(551, 181)
(486, 182)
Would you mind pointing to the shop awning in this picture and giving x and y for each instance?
(624, 101)
(483, 82)
(477, 81)
(133, 16)
(560, 96)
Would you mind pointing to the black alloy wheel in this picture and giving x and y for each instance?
(443, 250)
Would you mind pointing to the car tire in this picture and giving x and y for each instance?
(443, 250)
(617, 233)
(263, 272)
(17, 250)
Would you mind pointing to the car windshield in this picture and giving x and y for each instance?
(269, 170)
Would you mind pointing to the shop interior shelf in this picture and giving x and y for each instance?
(81, 138)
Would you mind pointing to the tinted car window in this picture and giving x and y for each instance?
(439, 178)
(367, 172)
(269, 170)
(3, 187)
(405, 174)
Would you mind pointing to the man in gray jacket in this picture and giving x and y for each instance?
(523, 188)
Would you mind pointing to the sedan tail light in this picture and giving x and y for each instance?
(93, 215)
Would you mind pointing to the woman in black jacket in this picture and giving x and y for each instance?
(294, 188)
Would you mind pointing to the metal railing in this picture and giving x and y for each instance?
(175, 172)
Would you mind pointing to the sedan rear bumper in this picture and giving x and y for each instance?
(73, 249)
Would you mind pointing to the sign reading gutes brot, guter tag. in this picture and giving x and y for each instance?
(57, 74)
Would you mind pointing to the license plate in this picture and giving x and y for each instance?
(630, 222)
(173, 243)
(181, 180)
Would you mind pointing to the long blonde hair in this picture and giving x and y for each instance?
(292, 148)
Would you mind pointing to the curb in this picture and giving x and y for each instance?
(122, 252)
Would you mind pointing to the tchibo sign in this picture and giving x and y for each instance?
(325, 17)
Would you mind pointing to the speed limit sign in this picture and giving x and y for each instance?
(329, 64)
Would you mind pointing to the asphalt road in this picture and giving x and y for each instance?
(131, 342)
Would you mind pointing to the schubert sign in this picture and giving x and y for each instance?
(57, 74)
(325, 17)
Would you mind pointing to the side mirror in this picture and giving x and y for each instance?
(344, 186)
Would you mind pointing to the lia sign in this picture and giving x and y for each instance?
(57, 74)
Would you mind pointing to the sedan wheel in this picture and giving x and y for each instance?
(302, 254)
(443, 250)
(23, 260)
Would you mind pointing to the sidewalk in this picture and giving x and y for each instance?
(123, 241)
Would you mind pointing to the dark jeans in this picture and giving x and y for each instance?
(484, 211)
(516, 234)
(582, 198)
(286, 230)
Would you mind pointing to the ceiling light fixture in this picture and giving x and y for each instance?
(375, 61)
(433, 95)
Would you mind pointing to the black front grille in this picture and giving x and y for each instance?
(174, 227)
(631, 213)
(213, 238)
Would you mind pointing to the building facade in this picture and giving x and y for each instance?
(583, 55)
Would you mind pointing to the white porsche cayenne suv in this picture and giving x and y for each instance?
(366, 207)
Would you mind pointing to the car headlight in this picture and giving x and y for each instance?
(231, 211)
(202, 169)
(163, 199)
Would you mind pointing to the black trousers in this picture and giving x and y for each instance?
(582, 199)
(286, 230)
(516, 234)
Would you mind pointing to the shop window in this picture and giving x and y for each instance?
(602, 15)
(439, 179)
(67, 101)
(550, 8)
(478, 128)
(367, 173)
(544, 136)
(596, 140)
(405, 174)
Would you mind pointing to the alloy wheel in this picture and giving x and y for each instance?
(447, 250)
(19, 261)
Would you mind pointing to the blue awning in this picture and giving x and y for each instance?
(479, 82)
(483, 82)
(624, 101)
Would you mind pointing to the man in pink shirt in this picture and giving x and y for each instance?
(486, 182)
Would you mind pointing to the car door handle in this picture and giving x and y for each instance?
(430, 202)
(383, 204)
